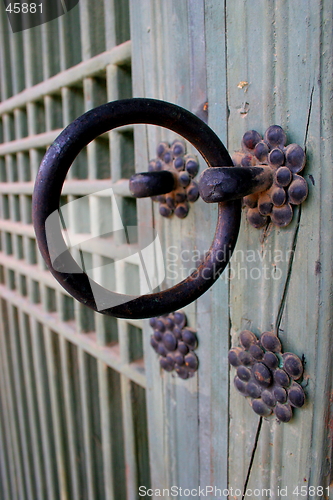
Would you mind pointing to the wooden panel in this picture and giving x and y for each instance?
(283, 62)
(79, 411)
(159, 71)
(192, 414)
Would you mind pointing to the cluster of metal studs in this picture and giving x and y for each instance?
(267, 376)
(288, 187)
(175, 343)
(184, 167)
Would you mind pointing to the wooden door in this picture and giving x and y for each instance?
(250, 65)
(85, 410)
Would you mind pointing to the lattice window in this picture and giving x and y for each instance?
(72, 385)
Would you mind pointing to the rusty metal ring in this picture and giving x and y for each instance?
(51, 176)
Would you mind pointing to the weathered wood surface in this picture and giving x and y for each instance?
(284, 58)
(189, 53)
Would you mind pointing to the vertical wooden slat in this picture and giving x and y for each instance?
(323, 433)
(10, 443)
(20, 398)
(16, 58)
(7, 446)
(128, 423)
(56, 398)
(33, 66)
(69, 39)
(117, 26)
(88, 454)
(5, 74)
(171, 401)
(50, 48)
(91, 425)
(31, 395)
(180, 397)
(257, 310)
(69, 413)
(212, 307)
(8, 367)
(145, 84)
(4, 468)
(92, 39)
(116, 89)
(43, 398)
(104, 401)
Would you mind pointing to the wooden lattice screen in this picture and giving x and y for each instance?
(72, 387)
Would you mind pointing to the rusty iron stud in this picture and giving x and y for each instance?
(276, 157)
(296, 395)
(298, 190)
(192, 191)
(265, 204)
(275, 137)
(282, 216)
(278, 196)
(261, 152)
(266, 375)
(250, 140)
(283, 412)
(256, 219)
(175, 343)
(283, 176)
(295, 158)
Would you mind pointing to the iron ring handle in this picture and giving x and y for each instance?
(51, 176)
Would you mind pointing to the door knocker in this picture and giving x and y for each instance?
(266, 176)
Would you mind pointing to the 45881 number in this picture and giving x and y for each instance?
(311, 491)
(24, 8)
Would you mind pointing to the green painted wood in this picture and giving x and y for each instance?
(80, 412)
(177, 422)
(159, 71)
(282, 61)
(213, 307)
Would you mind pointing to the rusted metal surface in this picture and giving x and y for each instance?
(151, 183)
(53, 171)
(225, 184)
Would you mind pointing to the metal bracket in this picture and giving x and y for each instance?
(265, 174)
(267, 375)
(264, 165)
